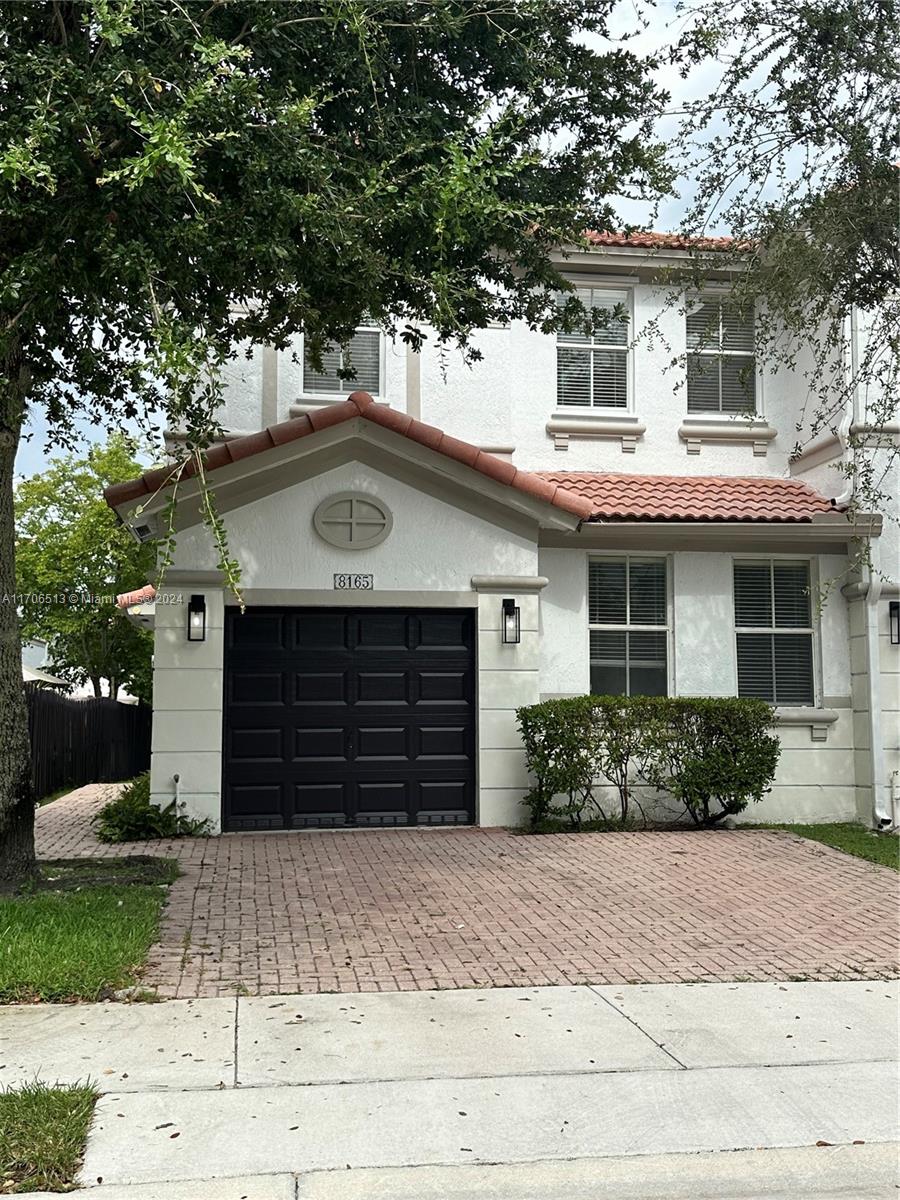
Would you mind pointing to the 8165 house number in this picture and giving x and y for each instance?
(345, 583)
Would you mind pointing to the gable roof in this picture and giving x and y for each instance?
(692, 497)
(359, 404)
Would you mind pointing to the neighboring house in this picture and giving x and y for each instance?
(569, 514)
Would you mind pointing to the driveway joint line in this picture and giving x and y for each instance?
(658, 1044)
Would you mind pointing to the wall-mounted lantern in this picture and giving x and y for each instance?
(196, 629)
(894, 621)
(510, 623)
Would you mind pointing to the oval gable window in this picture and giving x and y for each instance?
(353, 521)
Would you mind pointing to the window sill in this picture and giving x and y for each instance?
(818, 720)
(308, 404)
(566, 424)
(696, 430)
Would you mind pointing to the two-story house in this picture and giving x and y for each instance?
(612, 512)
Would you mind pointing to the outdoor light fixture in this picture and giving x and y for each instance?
(511, 624)
(894, 619)
(197, 618)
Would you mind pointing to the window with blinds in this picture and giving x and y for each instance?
(362, 356)
(721, 362)
(773, 626)
(629, 630)
(592, 365)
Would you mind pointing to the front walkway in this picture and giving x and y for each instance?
(410, 909)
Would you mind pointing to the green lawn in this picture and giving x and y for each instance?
(852, 839)
(82, 930)
(43, 1131)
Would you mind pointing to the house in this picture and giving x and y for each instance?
(449, 542)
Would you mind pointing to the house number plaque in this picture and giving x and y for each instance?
(350, 583)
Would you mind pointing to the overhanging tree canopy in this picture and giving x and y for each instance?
(177, 177)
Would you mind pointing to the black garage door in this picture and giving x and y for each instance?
(348, 717)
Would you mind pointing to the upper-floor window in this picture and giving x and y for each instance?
(362, 355)
(721, 364)
(774, 631)
(592, 365)
(629, 626)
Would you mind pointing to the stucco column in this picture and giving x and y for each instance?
(508, 677)
(187, 702)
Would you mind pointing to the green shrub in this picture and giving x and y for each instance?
(132, 818)
(712, 756)
(558, 737)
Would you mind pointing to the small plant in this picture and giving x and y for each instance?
(132, 818)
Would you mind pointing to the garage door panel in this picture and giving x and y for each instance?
(317, 631)
(384, 688)
(255, 806)
(382, 631)
(318, 805)
(442, 742)
(321, 743)
(444, 687)
(443, 802)
(256, 745)
(258, 630)
(359, 717)
(256, 687)
(383, 802)
(443, 633)
(321, 687)
(382, 742)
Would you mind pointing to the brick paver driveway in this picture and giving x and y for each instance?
(389, 910)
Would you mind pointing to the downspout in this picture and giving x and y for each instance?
(885, 797)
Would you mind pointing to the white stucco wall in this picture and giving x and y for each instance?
(433, 546)
(815, 779)
(431, 556)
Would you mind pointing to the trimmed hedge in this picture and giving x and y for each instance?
(711, 756)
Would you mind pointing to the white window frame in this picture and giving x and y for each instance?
(815, 618)
(622, 288)
(668, 629)
(337, 397)
(722, 294)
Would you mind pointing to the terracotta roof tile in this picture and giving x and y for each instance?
(359, 404)
(691, 498)
(139, 596)
(646, 240)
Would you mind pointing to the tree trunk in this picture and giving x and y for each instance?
(16, 794)
(97, 686)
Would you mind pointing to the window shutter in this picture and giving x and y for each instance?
(756, 669)
(792, 598)
(573, 377)
(647, 588)
(702, 383)
(363, 355)
(606, 593)
(738, 386)
(738, 330)
(702, 324)
(610, 377)
(753, 594)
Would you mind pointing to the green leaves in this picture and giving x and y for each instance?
(72, 559)
(711, 756)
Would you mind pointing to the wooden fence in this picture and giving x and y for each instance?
(74, 742)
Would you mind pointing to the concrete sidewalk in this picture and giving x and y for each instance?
(576, 1092)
